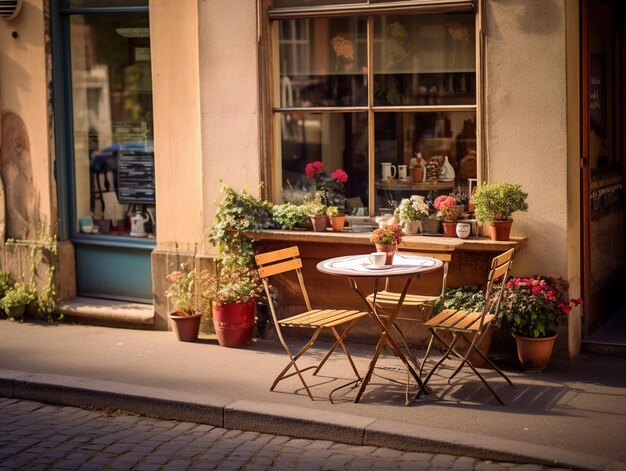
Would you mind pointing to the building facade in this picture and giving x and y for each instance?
(121, 118)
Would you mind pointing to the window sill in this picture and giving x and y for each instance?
(419, 242)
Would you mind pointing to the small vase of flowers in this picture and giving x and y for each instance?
(386, 239)
(411, 212)
(448, 211)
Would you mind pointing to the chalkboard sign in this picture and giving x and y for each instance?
(135, 177)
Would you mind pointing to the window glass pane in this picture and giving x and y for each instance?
(311, 3)
(107, 3)
(338, 140)
(322, 62)
(425, 59)
(112, 124)
(398, 136)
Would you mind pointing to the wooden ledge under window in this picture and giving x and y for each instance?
(425, 243)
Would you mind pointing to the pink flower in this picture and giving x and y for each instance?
(566, 308)
(579, 300)
(174, 276)
(444, 202)
(536, 289)
(339, 175)
(313, 169)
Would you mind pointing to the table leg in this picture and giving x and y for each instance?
(386, 335)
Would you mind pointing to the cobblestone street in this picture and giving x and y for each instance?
(36, 436)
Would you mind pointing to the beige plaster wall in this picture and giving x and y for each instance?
(175, 85)
(526, 122)
(229, 98)
(24, 91)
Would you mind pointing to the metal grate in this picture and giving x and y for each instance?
(10, 8)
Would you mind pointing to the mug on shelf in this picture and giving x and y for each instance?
(389, 171)
(402, 173)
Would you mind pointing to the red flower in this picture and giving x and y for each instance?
(313, 169)
(444, 202)
(566, 308)
(339, 175)
(579, 301)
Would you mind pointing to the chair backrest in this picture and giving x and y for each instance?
(277, 262)
(500, 267)
(445, 257)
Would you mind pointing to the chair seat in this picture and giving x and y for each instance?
(410, 300)
(322, 318)
(458, 320)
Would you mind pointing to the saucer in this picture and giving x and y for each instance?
(374, 267)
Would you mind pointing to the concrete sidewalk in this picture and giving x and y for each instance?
(573, 415)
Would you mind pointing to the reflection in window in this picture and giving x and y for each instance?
(112, 124)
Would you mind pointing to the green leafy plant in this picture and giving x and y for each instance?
(498, 201)
(238, 212)
(535, 306)
(5, 282)
(20, 294)
(185, 286)
(467, 298)
(233, 285)
(314, 204)
(332, 211)
(288, 215)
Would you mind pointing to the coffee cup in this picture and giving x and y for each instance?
(378, 259)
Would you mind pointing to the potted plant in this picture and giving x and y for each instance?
(411, 212)
(448, 211)
(331, 187)
(16, 298)
(534, 307)
(495, 203)
(316, 209)
(233, 292)
(386, 239)
(288, 215)
(183, 294)
(337, 219)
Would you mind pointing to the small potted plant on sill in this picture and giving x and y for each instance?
(386, 239)
(448, 211)
(533, 308)
(495, 203)
(316, 209)
(183, 293)
(337, 219)
(15, 300)
(288, 215)
(233, 292)
(411, 212)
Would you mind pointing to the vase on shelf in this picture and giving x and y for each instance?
(411, 227)
(390, 251)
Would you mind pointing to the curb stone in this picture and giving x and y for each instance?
(287, 420)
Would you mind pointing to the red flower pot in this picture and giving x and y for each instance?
(500, 230)
(449, 229)
(534, 353)
(320, 223)
(233, 323)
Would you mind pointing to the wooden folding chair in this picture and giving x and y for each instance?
(287, 260)
(419, 302)
(462, 324)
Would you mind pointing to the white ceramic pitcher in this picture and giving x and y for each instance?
(389, 171)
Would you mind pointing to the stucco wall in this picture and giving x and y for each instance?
(526, 122)
(24, 92)
(229, 97)
(175, 85)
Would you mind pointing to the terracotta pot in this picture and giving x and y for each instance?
(320, 223)
(337, 222)
(534, 353)
(389, 249)
(15, 313)
(500, 230)
(185, 327)
(233, 323)
(417, 174)
(449, 229)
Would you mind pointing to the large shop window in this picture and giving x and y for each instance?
(112, 124)
(370, 91)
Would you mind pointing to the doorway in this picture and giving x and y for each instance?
(603, 48)
(105, 155)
